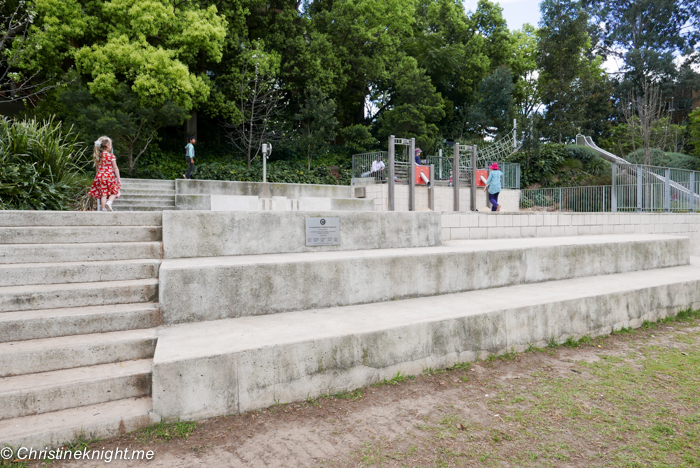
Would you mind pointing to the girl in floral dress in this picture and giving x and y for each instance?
(107, 181)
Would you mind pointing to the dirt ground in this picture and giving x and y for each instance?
(629, 399)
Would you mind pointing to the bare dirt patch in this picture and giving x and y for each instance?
(629, 400)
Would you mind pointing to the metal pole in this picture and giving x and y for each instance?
(473, 187)
(640, 188)
(431, 190)
(411, 177)
(692, 192)
(265, 168)
(613, 192)
(391, 172)
(515, 132)
(667, 190)
(439, 162)
(560, 199)
(455, 176)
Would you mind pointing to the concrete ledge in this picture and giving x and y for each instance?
(260, 189)
(189, 234)
(268, 284)
(351, 204)
(193, 202)
(234, 365)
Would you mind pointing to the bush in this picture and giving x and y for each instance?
(170, 166)
(660, 158)
(41, 168)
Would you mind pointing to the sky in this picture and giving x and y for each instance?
(515, 12)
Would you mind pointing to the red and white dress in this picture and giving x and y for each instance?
(106, 182)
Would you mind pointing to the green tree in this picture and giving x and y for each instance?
(415, 106)
(317, 123)
(573, 86)
(694, 128)
(523, 64)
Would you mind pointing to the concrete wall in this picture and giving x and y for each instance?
(259, 189)
(189, 234)
(249, 285)
(236, 365)
(444, 198)
(503, 226)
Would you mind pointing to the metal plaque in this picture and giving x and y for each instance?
(322, 231)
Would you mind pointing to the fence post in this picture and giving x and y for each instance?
(692, 192)
(392, 158)
(455, 176)
(472, 202)
(431, 189)
(613, 190)
(411, 177)
(640, 188)
(667, 190)
(440, 162)
(352, 182)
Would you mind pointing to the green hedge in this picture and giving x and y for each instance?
(41, 167)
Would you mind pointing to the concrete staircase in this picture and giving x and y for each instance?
(282, 327)
(146, 195)
(78, 311)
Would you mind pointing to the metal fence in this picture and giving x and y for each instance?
(652, 188)
(362, 166)
(576, 199)
(362, 169)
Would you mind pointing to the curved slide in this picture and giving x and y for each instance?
(588, 141)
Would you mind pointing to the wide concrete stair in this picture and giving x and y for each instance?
(283, 327)
(146, 195)
(78, 318)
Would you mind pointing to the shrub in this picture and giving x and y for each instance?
(41, 167)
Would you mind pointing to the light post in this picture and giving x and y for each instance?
(266, 151)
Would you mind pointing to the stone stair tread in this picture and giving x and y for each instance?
(94, 421)
(232, 335)
(16, 274)
(74, 376)
(50, 253)
(18, 218)
(76, 311)
(48, 288)
(78, 234)
(48, 344)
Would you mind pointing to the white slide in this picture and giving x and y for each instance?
(588, 141)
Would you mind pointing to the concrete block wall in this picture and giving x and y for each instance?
(459, 226)
(444, 198)
(188, 234)
(260, 189)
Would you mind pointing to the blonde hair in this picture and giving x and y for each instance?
(101, 145)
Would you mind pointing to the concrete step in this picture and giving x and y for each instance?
(10, 218)
(266, 284)
(51, 323)
(91, 422)
(292, 356)
(136, 208)
(68, 352)
(26, 395)
(22, 274)
(147, 194)
(78, 234)
(54, 296)
(162, 182)
(155, 201)
(54, 253)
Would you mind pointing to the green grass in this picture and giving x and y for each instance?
(167, 431)
(395, 380)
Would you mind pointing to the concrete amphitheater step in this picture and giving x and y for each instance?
(155, 201)
(137, 208)
(77, 218)
(145, 192)
(146, 198)
(51, 323)
(26, 395)
(292, 356)
(88, 422)
(78, 234)
(53, 296)
(265, 284)
(54, 253)
(68, 352)
(22, 274)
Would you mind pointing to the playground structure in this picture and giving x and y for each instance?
(635, 187)
(404, 179)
